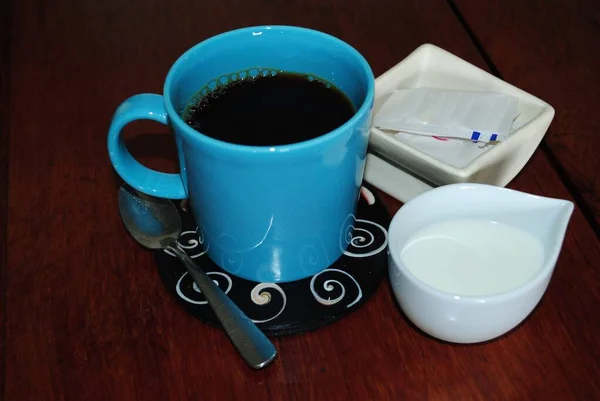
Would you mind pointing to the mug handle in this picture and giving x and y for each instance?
(144, 106)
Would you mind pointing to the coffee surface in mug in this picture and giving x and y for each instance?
(269, 109)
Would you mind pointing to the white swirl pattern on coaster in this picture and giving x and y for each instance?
(362, 238)
(189, 240)
(331, 285)
(219, 282)
(367, 239)
(260, 296)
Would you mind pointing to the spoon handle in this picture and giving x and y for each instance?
(256, 349)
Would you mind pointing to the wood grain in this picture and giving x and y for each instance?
(4, 113)
(548, 48)
(88, 319)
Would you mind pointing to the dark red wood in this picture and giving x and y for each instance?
(4, 113)
(86, 317)
(548, 48)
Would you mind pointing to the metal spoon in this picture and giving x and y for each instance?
(155, 224)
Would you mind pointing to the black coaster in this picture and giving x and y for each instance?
(298, 306)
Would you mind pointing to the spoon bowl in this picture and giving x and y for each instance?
(152, 222)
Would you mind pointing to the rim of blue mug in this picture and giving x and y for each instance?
(276, 149)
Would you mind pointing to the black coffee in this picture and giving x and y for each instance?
(270, 110)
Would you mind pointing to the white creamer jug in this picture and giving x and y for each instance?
(469, 262)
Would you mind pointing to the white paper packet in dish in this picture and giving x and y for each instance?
(478, 116)
(454, 152)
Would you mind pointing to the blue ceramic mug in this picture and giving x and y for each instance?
(267, 214)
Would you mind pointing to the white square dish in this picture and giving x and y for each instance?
(431, 66)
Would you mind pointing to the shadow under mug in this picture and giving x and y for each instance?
(267, 214)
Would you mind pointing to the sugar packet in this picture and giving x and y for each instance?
(449, 113)
(454, 152)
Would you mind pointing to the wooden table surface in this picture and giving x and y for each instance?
(83, 314)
